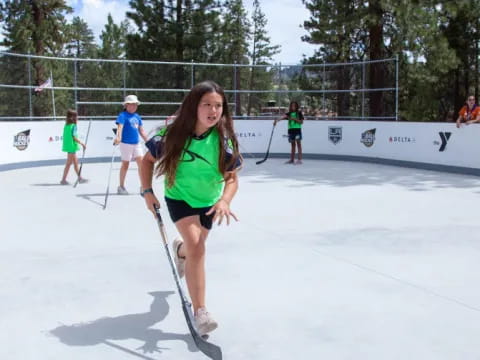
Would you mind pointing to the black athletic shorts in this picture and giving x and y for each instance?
(179, 209)
(294, 135)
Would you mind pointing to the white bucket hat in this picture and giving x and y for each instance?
(131, 99)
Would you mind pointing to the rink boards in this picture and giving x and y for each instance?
(429, 145)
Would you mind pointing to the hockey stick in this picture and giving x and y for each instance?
(211, 350)
(110, 172)
(268, 148)
(109, 176)
(83, 156)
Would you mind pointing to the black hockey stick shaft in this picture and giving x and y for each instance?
(268, 148)
(211, 350)
(107, 192)
(83, 156)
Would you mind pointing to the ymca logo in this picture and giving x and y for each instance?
(22, 139)
(444, 137)
(335, 134)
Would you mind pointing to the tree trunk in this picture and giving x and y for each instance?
(38, 18)
(343, 83)
(179, 46)
(40, 77)
(477, 54)
(458, 100)
(376, 75)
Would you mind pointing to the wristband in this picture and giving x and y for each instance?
(149, 190)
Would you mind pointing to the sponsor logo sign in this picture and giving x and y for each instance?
(247, 134)
(444, 138)
(368, 137)
(401, 139)
(55, 138)
(335, 134)
(22, 139)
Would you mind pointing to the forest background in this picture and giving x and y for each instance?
(436, 44)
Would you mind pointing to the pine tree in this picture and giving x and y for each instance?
(336, 27)
(235, 34)
(81, 42)
(170, 30)
(36, 27)
(113, 46)
(377, 29)
(39, 28)
(261, 54)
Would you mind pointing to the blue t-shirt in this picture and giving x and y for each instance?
(131, 123)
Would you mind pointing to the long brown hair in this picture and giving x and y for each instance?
(71, 116)
(178, 134)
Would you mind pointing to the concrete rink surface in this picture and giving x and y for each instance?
(330, 260)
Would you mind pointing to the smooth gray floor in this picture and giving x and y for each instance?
(330, 260)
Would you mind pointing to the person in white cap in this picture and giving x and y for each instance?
(129, 130)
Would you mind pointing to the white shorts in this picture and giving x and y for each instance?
(130, 152)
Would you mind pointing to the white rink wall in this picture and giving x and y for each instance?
(416, 144)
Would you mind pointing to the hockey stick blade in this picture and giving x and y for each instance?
(213, 351)
(268, 148)
(83, 156)
(79, 172)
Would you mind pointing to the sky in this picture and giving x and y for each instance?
(284, 20)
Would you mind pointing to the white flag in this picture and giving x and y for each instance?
(47, 84)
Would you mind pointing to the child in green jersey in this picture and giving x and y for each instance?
(198, 154)
(70, 145)
(295, 121)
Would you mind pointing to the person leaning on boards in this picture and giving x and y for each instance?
(470, 113)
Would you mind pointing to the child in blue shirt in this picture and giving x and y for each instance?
(129, 130)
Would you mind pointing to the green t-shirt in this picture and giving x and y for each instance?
(69, 144)
(198, 180)
(292, 124)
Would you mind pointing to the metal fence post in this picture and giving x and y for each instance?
(192, 76)
(396, 87)
(30, 84)
(363, 90)
(235, 87)
(75, 83)
(279, 85)
(124, 78)
(324, 105)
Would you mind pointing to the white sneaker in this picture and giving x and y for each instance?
(204, 322)
(122, 191)
(179, 261)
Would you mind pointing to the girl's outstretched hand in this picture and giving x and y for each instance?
(221, 210)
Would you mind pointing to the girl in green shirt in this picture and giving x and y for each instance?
(198, 154)
(295, 121)
(70, 145)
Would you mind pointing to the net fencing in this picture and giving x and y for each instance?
(96, 87)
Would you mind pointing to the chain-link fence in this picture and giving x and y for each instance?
(96, 87)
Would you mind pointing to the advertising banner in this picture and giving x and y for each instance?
(431, 143)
